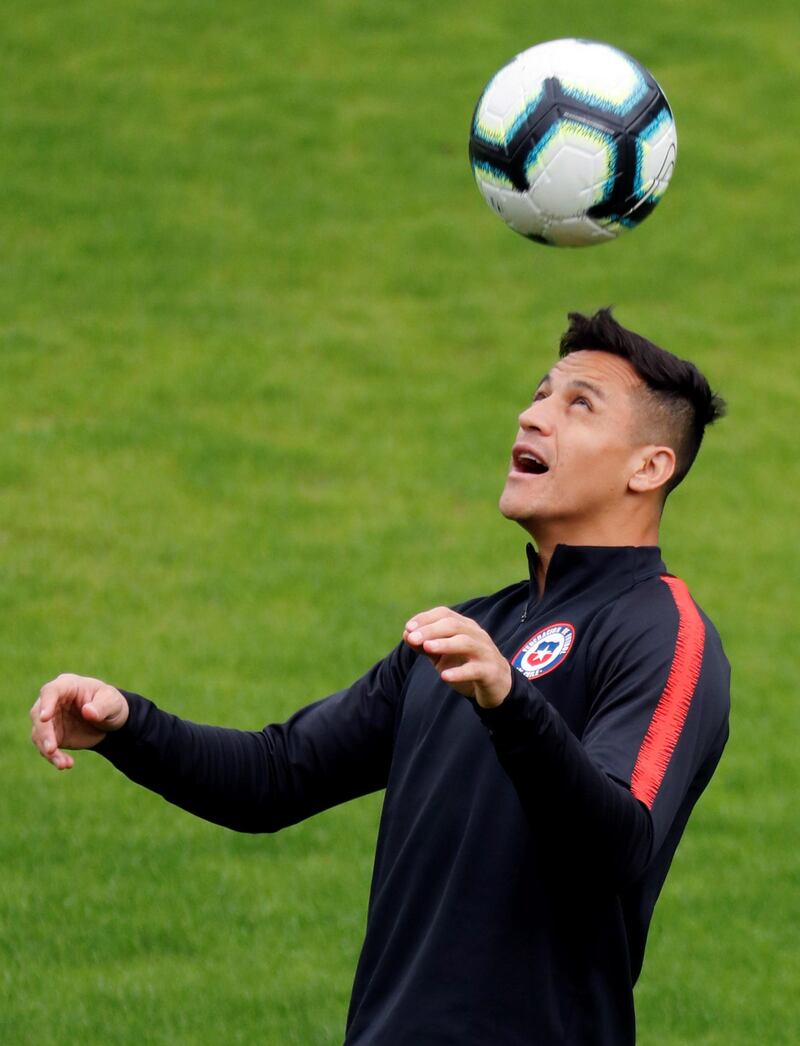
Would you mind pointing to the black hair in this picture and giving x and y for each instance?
(680, 395)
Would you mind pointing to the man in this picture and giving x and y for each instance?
(541, 748)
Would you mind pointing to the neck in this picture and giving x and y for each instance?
(546, 537)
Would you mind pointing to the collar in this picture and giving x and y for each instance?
(575, 568)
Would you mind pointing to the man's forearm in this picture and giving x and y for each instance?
(262, 780)
(222, 775)
(586, 816)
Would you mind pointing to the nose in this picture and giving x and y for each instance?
(536, 417)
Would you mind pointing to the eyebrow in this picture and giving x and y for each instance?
(578, 383)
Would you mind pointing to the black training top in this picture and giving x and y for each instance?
(521, 849)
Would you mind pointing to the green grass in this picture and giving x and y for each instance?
(263, 347)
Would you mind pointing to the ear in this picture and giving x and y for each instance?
(655, 467)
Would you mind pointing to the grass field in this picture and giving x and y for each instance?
(263, 347)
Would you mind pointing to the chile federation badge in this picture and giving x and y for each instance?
(544, 651)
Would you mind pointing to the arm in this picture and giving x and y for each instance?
(586, 815)
(256, 781)
(611, 796)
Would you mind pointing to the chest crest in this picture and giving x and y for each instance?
(545, 650)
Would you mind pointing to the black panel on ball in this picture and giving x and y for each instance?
(555, 105)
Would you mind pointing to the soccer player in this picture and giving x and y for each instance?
(541, 748)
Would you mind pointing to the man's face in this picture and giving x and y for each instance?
(576, 447)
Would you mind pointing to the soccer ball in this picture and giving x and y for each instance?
(572, 143)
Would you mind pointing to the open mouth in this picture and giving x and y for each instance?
(527, 461)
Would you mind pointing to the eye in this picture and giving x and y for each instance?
(581, 401)
(540, 394)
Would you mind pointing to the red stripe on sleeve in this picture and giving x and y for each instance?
(673, 705)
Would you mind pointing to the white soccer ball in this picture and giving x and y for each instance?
(572, 143)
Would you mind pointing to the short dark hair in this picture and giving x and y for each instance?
(681, 400)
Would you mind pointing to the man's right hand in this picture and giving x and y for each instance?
(74, 712)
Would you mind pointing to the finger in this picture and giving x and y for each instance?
(47, 701)
(43, 735)
(425, 617)
(49, 746)
(447, 625)
(442, 628)
(468, 672)
(62, 761)
(459, 645)
(52, 693)
(105, 706)
(45, 740)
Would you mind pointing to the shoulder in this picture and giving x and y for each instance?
(657, 606)
(656, 626)
(643, 618)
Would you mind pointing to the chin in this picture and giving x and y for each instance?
(514, 508)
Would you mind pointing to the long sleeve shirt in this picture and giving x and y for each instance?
(521, 849)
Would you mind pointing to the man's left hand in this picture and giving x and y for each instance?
(462, 653)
